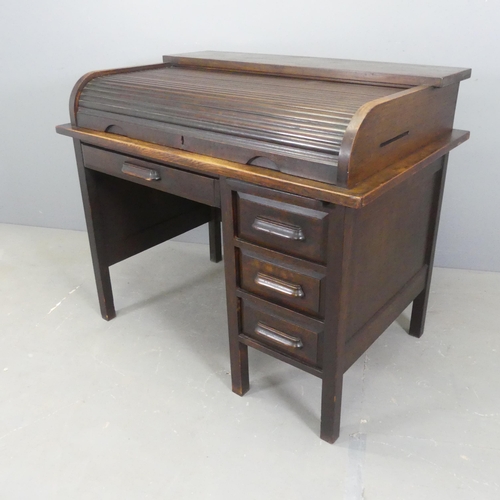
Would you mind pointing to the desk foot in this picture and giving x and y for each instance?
(104, 291)
(239, 369)
(241, 391)
(331, 400)
(418, 313)
(108, 315)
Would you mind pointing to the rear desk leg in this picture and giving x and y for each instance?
(339, 241)
(96, 238)
(214, 233)
(419, 308)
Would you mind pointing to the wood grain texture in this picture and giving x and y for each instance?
(238, 351)
(74, 99)
(389, 246)
(310, 224)
(234, 107)
(96, 233)
(291, 274)
(200, 188)
(362, 194)
(318, 263)
(385, 316)
(323, 68)
(419, 308)
(294, 125)
(309, 331)
(134, 217)
(388, 129)
(339, 243)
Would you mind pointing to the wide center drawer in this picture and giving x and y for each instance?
(188, 185)
(288, 285)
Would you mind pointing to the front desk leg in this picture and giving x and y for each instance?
(96, 236)
(238, 352)
(339, 255)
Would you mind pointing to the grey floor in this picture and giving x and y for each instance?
(141, 407)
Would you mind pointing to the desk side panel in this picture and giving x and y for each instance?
(390, 249)
(389, 129)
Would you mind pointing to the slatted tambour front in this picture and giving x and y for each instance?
(288, 124)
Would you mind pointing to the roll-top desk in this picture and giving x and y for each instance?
(327, 176)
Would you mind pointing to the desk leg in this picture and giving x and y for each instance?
(419, 308)
(238, 352)
(341, 223)
(214, 233)
(96, 238)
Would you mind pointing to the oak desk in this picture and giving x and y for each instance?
(329, 223)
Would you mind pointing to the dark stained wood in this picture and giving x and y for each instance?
(134, 217)
(247, 341)
(339, 244)
(389, 245)
(383, 131)
(365, 192)
(124, 218)
(281, 226)
(255, 312)
(290, 125)
(357, 345)
(96, 234)
(317, 264)
(170, 180)
(322, 68)
(420, 303)
(215, 235)
(309, 128)
(85, 79)
(238, 351)
(291, 286)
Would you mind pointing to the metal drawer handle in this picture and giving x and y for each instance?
(146, 174)
(288, 231)
(277, 336)
(280, 286)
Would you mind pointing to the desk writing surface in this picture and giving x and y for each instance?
(356, 197)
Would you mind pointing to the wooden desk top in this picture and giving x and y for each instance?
(405, 75)
(357, 197)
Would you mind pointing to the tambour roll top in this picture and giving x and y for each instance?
(320, 119)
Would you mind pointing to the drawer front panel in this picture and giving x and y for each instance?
(292, 229)
(296, 288)
(296, 337)
(171, 180)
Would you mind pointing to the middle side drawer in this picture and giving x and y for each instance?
(284, 281)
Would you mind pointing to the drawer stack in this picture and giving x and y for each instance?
(279, 244)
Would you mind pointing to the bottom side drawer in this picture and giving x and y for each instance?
(282, 330)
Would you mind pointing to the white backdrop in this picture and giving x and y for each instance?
(45, 46)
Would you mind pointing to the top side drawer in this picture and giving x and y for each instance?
(188, 185)
(292, 229)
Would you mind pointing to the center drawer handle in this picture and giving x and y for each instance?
(147, 174)
(288, 231)
(280, 286)
(278, 336)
